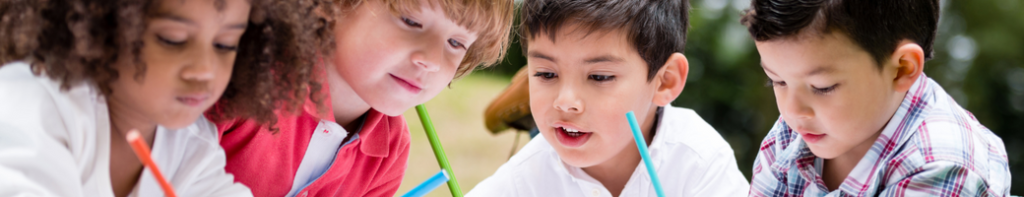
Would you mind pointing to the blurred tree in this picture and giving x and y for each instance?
(979, 60)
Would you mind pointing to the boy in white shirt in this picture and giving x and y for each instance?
(610, 58)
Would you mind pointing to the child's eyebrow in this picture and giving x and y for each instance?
(766, 68)
(815, 71)
(189, 22)
(176, 18)
(820, 70)
(535, 54)
(603, 58)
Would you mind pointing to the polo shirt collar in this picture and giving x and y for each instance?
(375, 134)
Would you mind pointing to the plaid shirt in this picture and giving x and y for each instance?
(930, 147)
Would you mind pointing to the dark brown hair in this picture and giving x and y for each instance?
(877, 26)
(655, 28)
(78, 41)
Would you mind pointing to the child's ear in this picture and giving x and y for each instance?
(909, 59)
(671, 79)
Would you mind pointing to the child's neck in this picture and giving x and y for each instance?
(615, 173)
(123, 119)
(346, 105)
(125, 167)
(835, 170)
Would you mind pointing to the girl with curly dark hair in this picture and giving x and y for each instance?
(77, 75)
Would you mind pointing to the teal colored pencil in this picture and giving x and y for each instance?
(429, 185)
(644, 154)
(435, 144)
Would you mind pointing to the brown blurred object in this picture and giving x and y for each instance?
(511, 109)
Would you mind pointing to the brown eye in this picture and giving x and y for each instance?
(545, 75)
(601, 78)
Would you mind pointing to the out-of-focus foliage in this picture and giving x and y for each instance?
(979, 60)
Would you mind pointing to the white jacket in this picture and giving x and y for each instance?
(57, 143)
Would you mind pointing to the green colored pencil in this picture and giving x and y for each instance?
(435, 144)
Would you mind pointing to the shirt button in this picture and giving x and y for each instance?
(595, 192)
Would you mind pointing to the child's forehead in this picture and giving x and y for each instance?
(812, 46)
(575, 44)
(814, 56)
(468, 17)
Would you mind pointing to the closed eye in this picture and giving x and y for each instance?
(775, 83)
(411, 23)
(170, 42)
(224, 47)
(825, 90)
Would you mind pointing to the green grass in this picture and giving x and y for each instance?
(457, 114)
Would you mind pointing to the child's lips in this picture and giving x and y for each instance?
(812, 138)
(193, 100)
(571, 136)
(411, 86)
(808, 136)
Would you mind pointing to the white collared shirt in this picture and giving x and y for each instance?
(320, 154)
(690, 157)
(56, 142)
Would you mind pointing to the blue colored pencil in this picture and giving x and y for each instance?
(644, 154)
(428, 185)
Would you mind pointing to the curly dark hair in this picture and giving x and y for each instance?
(78, 41)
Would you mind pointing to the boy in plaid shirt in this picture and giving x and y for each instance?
(858, 115)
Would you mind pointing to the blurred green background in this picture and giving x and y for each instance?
(979, 60)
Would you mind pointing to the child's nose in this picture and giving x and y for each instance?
(202, 68)
(568, 101)
(429, 57)
(426, 61)
(795, 107)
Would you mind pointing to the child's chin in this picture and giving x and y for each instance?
(392, 106)
(393, 109)
(578, 159)
(179, 123)
(824, 153)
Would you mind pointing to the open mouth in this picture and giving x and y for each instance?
(571, 137)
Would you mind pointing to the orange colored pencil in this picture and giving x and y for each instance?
(142, 151)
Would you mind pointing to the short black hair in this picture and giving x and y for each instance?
(655, 28)
(877, 26)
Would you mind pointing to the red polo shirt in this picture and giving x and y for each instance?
(371, 165)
